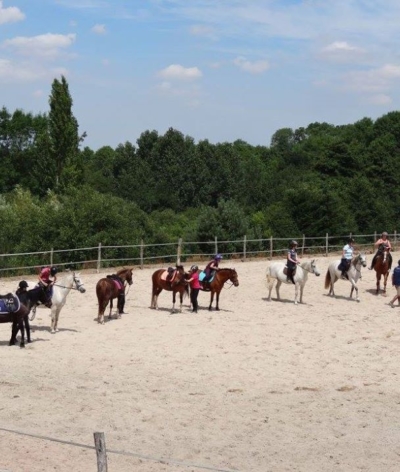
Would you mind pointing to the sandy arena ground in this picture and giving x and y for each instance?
(259, 386)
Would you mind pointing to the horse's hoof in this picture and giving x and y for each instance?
(22, 346)
(53, 331)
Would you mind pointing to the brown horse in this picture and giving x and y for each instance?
(176, 284)
(110, 287)
(382, 266)
(218, 282)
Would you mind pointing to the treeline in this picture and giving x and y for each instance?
(322, 178)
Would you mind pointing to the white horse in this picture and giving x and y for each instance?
(60, 291)
(354, 273)
(275, 272)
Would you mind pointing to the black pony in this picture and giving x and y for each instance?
(15, 310)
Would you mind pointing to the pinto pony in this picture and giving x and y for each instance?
(176, 284)
(217, 284)
(111, 287)
(382, 266)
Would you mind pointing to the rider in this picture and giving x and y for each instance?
(386, 247)
(292, 261)
(347, 256)
(396, 283)
(22, 287)
(212, 267)
(48, 277)
(194, 287)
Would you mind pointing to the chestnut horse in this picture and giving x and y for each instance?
(19, 310)
(382, 266)
(218, 282)
(110, 287)
(176, 284)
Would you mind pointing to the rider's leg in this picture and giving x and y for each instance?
(373, 262)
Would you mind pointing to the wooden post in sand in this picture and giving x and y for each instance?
(244, 247)
(302, 247)
(51, 256)
(100, 444)
(326, 245)
(99, 258)
(216, 245)
(141, 253)
(178, 256)
(395, 240)
(271, 249)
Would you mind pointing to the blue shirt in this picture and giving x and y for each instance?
(396, 276)
(348, 252)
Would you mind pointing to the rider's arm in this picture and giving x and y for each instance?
(380, 241)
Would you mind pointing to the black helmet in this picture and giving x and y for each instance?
(53, 271)
(23, 284)
(293, 243)
(351, 240)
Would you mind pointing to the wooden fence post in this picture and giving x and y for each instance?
(99, 258)
(141, 253)
(216, 245)
(179, 252)
(302, 247)
(271, 250)
(395, 240)
(244, 247)
(100, 444)
(326, 245)
(51, 256)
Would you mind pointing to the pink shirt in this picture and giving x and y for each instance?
(195, 282)
(45, 274)
(384, 241)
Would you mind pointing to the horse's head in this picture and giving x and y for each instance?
(126, 275)
(313, 268)
(78, 282)
(233, 277)
(180, 277)
(361, 259)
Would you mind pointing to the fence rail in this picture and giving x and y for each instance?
(98, 257)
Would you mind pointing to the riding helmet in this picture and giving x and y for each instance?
(351, 240)
(218, 257)
(194, 268)
(385, 233)
(293, 243)
(23, 284)
(53, 271)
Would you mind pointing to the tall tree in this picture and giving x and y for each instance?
(63, 128)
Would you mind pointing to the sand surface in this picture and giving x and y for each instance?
(259, 386)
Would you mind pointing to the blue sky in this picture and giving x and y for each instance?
(214, 69)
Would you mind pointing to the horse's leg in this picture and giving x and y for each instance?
(154, 300)
(217, 299)
(271, 283)
(111, 307)
(354, 287)
(277, 287)
(181, 300)
(385, 277)
(22, 329)
(102, 308)
(58, 316)
(296, 293)
(53, 318)
(378, 281)
(173, 301)
(27, 328)
(301, 292)
(211, 300)
(14, 332)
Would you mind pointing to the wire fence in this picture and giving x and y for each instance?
(181, 251)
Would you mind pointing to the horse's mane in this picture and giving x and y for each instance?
(123, 271)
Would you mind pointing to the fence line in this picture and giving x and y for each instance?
(102, 256)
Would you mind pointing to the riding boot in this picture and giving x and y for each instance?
(372, 263)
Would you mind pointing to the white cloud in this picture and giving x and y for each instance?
(178, 72)
(99, 29)
(10, 14)
(380, 99)
(46, 45)
(105, 62)
(256, 67)
(373, 80)
(26, 71)
(340, 46)
(203, 31)
(38, 93)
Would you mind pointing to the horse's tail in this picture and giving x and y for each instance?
(328, 279)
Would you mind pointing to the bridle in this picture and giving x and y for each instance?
(78, 285)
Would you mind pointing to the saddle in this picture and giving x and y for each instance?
(9, 303)
(166, 275)
(202, 276)
(285, 270)
(117, 281)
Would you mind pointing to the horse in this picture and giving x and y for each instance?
(60, 291)
(382, 266)
(177, 284)
(110, 287)
(30, 298)
(18, 310)
(217, 283)
(275, 272)
(354, 273)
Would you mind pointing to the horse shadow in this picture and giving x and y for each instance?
(341, 297)
(47, 328)
(6, 343)
(372, 291)
(282, 300)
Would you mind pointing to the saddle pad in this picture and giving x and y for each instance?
(9, 304)
(164, 276)
(202, 276)
(118, 284)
